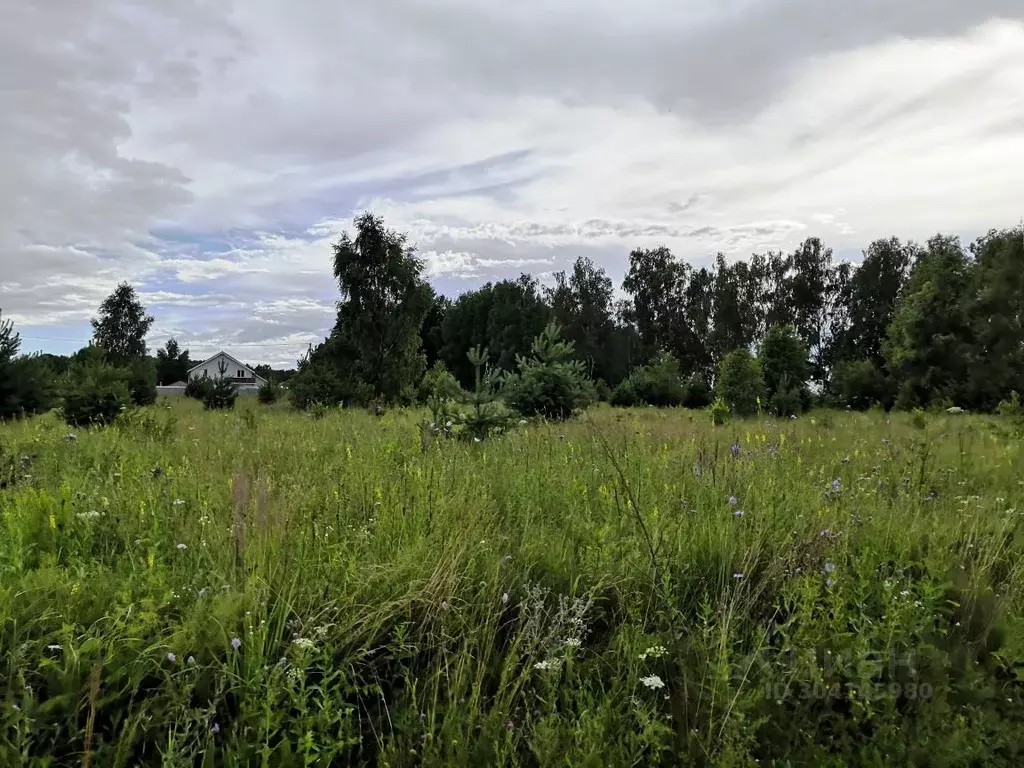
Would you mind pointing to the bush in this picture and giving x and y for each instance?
(439, 383)
(659, 382)
(221, 396)
(741, 382)
(142, 381)
(315, 384)
(26, 387)
(786, 400)
(602, 392)
(550, 383)
(95, 394)
(698, 392)
(719, 412)
(26, 383)
(268, 393)
(859, 384)
(624, 395)
(783, 358)
(198, 387)
(1011, 409)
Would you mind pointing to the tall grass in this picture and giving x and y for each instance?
(635, 588)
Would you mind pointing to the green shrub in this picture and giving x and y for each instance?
(268, 393)
(787, 400)
(602, 392)
(95, 394)
(698, 393)
(198, 387)
(624, 395)
(142, 380)
(439, 383)
(314, 384)
(550, 383)
(659, 383)
(1011, 408)
(741, 382)
(858, 384)
(719, 412)
(26, 383)
(221, 395)
(783, 358)
(26, 387)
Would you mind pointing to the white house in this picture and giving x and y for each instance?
(224, 365)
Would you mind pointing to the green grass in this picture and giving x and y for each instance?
(392, 604)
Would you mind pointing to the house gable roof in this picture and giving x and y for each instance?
(234, 360)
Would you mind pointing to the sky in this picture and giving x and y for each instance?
(210, 151)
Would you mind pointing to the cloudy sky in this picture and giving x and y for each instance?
(210, 150)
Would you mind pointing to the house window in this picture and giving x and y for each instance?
(240, 374)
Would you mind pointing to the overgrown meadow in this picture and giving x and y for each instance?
(637, 587)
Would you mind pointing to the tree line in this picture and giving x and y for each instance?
(911, 325)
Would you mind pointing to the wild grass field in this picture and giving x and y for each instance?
(634, 588)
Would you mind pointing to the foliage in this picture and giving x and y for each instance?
(741, 382)
(625, 395)
(720, 412)
(859, 384)
(268, 393)
(487, 414)
(927, 347)
(26, 383)
(602, 392)
(698, 392)
(1011, 408)
(783, 358)
(659, 383)
(95, 394)
(503, 317)
(121, 327)
(221, 394)
(172, 363)
(142, 380)
(198, 387)
(375, 345)
(550, 383)
(439, 383)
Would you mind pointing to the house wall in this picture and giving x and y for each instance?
(234, 370)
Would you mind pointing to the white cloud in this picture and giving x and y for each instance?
(502, 138)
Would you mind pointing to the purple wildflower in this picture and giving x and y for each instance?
(738, 513)
(236, 643)
(735, 449)
(215, 729)
(733, 501)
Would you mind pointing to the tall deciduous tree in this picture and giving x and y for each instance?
(656, 282)
(995, 309)
(582, 306)
(122, 325)
(927, 347)
(384, 301)
(172, 363)
(871, 298)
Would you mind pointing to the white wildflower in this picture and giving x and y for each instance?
(573, 642)
(304, 643)
(181, 547)
(653, 682)
(654, 652)
(548, 665)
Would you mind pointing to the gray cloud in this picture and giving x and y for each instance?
(211, 151)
